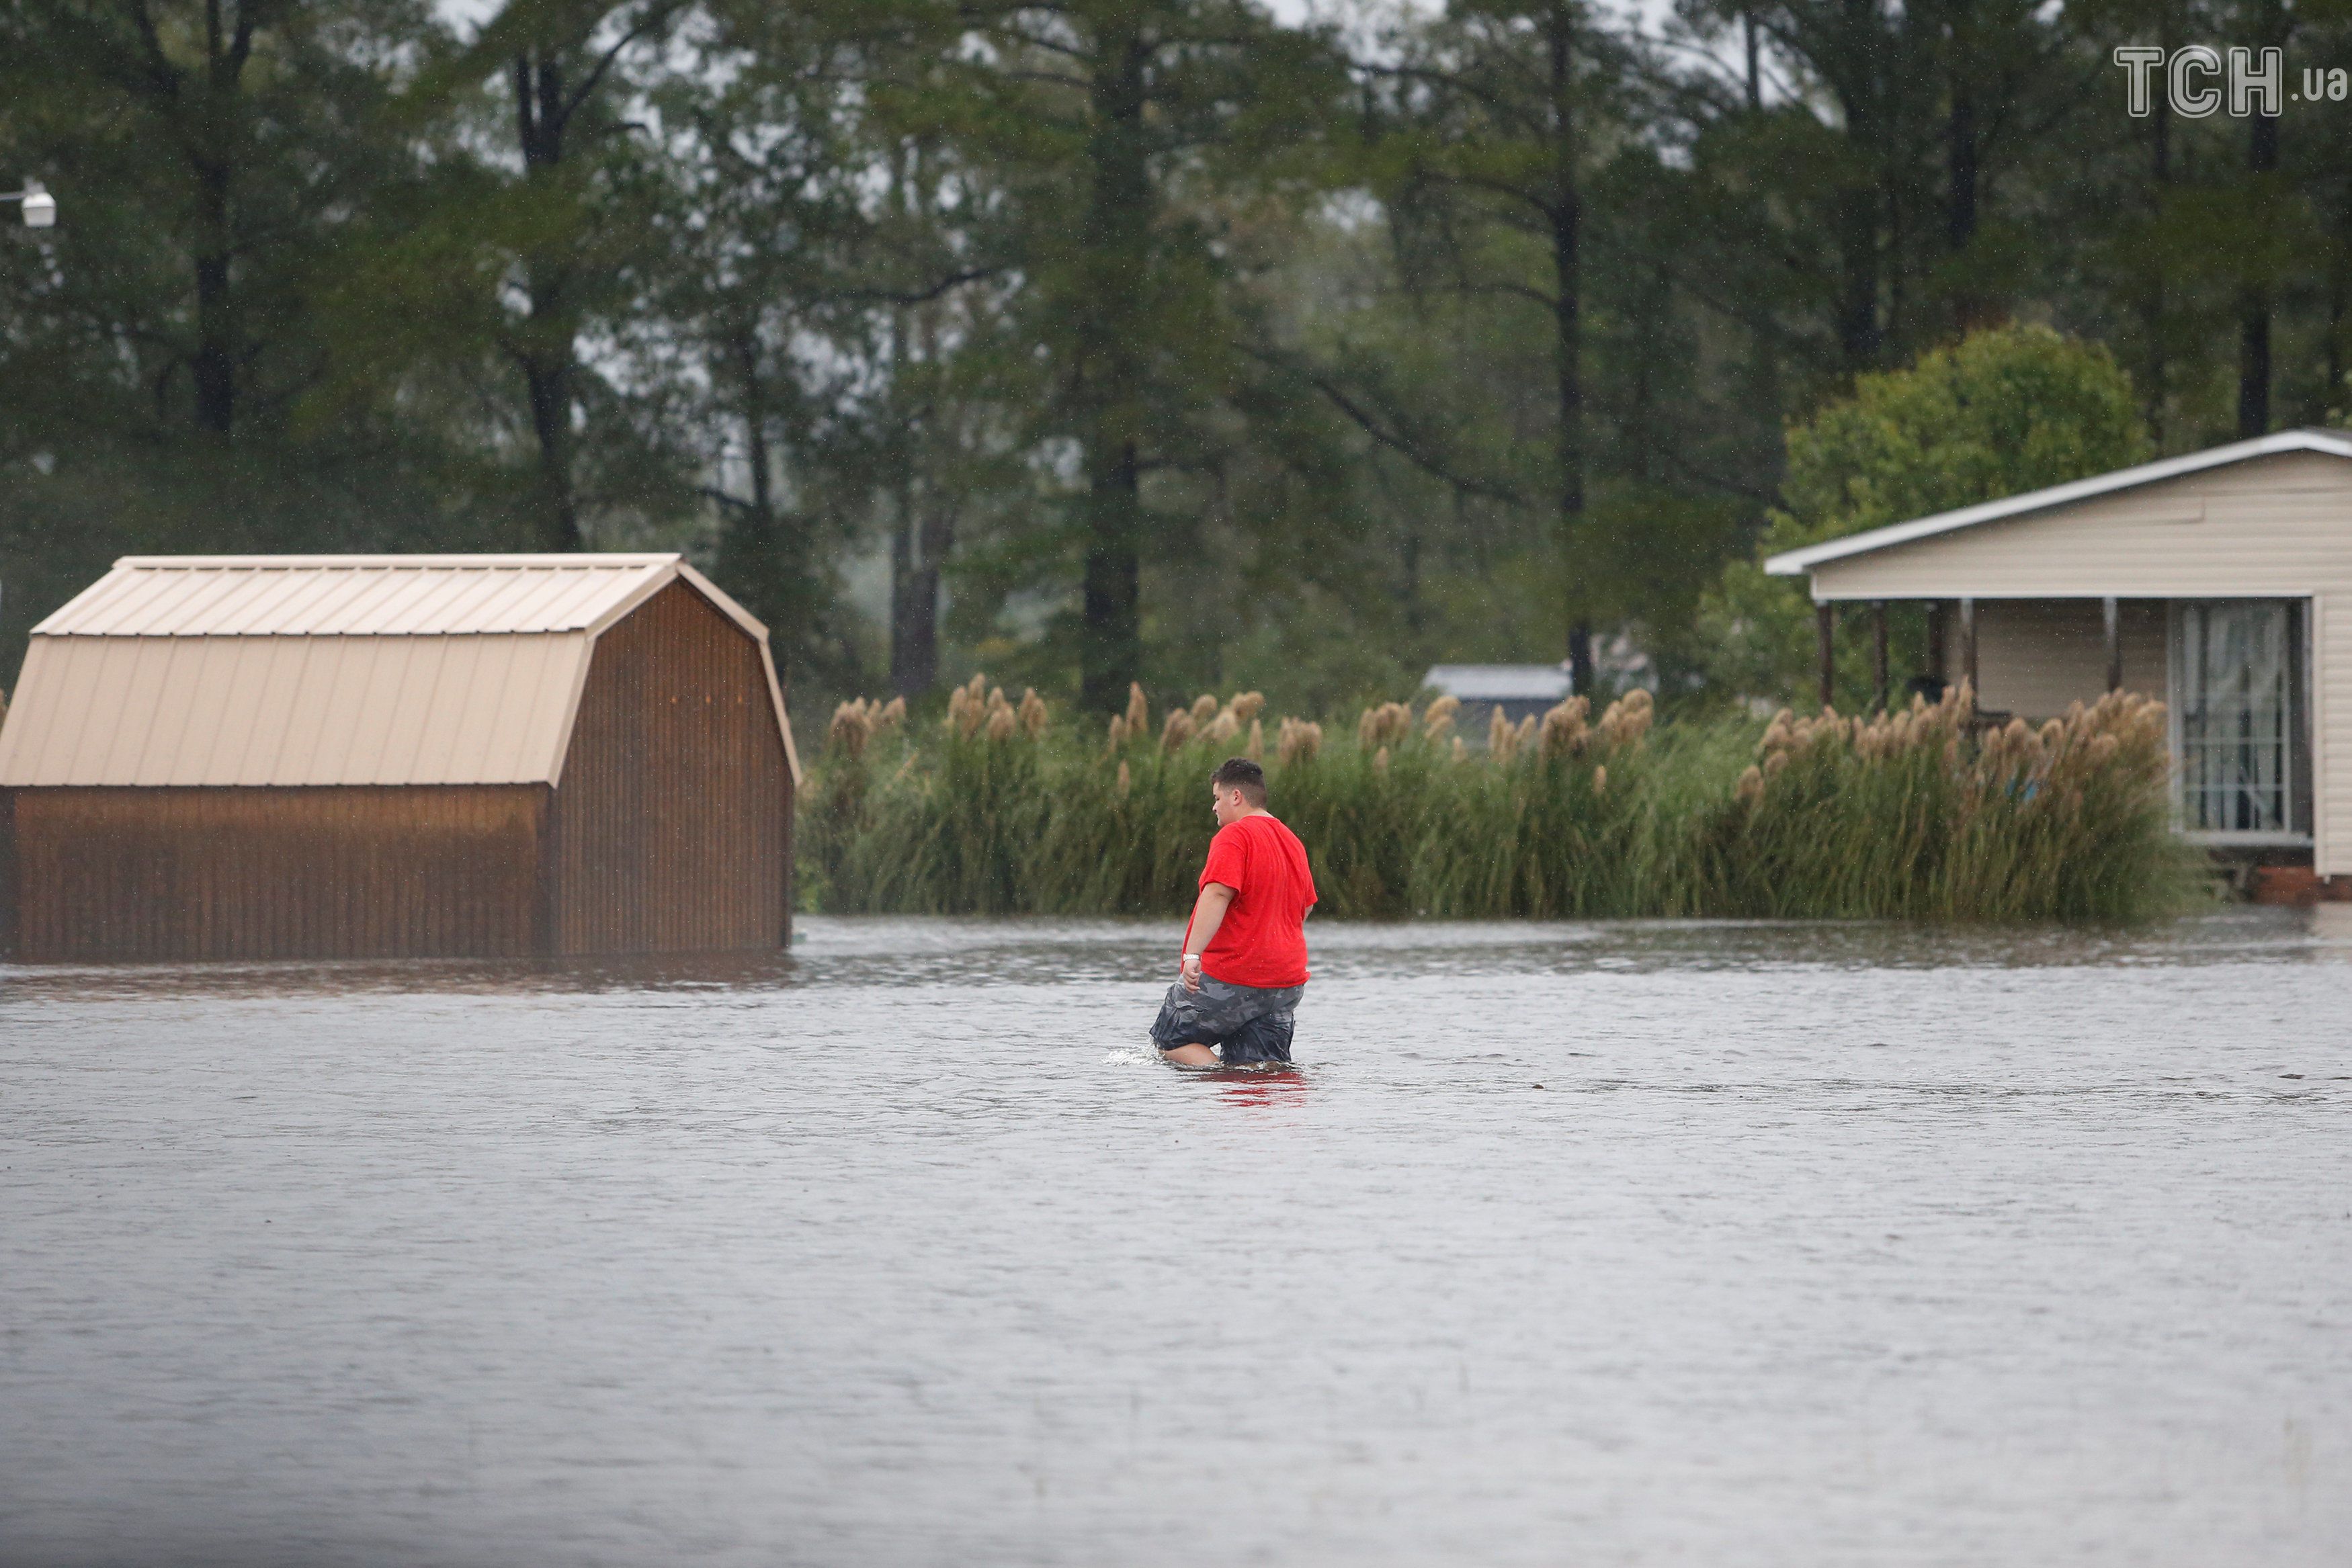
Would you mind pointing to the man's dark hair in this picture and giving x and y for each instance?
(1240, 773)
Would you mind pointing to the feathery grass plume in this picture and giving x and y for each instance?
(1627, 719)
(1600, 778)
(967, 709)
(1126, 782)
(1775, 762)
(1381, 760)
(1564, 729)
(1031, 713)
(1138, 711)
(972, 711)
(853, 726)
(1255, 749)
(1298, 740)
(1384, 725)
(1118, 733)
(998, 717)
(1178, 731)
(1504, 740)
(1247, 705)
(1751, 788)
(1222, 728)
(1437, 719)
(1460, 749)
(1204, 707)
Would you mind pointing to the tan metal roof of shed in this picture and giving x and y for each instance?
(369, 596)
(308, 670)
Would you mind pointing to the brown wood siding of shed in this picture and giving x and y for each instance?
(343, 871)
(671, 824)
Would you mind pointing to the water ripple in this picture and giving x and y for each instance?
(1652, 1241)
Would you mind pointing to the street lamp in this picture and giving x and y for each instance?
(40, 207)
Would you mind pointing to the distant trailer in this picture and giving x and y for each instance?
(366, 756)
(1520, 691)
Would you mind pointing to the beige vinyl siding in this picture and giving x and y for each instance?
(2271, 525)
(2036, 655)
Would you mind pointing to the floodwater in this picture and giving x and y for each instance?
(1564, 1245)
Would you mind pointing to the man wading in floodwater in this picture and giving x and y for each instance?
(1244, 963)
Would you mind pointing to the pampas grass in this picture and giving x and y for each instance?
(1913, 815)
(1916, 814)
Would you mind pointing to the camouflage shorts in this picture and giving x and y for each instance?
(1246, 1023)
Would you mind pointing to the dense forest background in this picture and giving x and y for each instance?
(1170, 339)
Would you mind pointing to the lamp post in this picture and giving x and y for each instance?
(40, 207)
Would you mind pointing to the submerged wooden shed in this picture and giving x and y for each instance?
(273, 757)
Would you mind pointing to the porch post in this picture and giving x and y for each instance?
(1934, 670)
(1968, 646)
(2114, 642)
(1824, 625)
(1878, 652)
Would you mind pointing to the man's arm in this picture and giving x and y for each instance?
(1208, 913)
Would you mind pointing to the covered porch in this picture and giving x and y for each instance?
(2234, 674)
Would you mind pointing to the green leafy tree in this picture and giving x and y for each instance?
(1504, 104)
(2005, 411)
(497, 288)
(1128, 132)
(166, 352)
(741, 311)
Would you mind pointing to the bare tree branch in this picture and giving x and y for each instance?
(1403, 443)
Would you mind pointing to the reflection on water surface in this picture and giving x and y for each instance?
(1659, 1241)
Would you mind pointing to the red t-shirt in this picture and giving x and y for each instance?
(1262, 939)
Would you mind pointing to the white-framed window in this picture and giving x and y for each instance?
(2233, 723)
